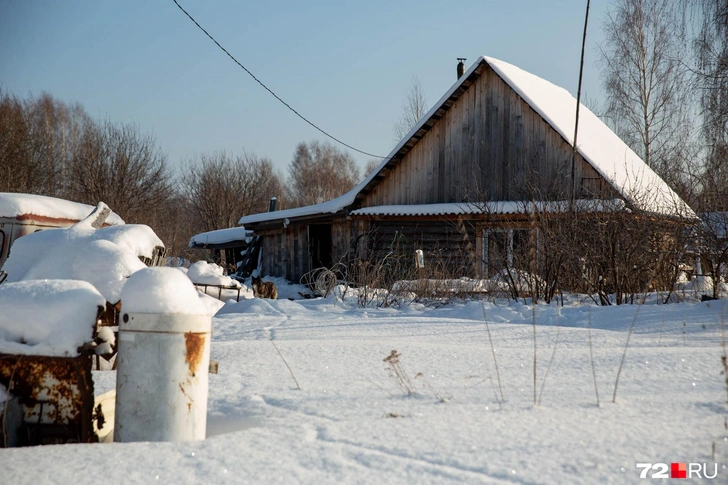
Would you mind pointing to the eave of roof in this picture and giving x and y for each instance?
(493, 208)
(221, 238)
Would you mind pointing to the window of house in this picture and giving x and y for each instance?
(504, 248)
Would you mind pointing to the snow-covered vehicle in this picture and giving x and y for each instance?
(57, 306)
(88, 251)
(23, 214)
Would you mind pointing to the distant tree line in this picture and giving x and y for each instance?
(49, 147)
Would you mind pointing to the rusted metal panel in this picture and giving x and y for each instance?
(56, 394)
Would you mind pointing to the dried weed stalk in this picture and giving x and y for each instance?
(397, 372)
(591, 358)
(492, 350)
(724, 357)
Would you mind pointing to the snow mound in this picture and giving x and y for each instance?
(163, 291)
(50, 317)
(104, 257)
(212, 304)
(258, 306)
(203, 273)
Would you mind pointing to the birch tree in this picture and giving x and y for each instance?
(645, 82)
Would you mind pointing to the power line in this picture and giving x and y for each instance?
(268, 89)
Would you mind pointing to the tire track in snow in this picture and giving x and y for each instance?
(280, 404)
(450, 471)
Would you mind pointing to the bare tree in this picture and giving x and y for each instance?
(711, 48)
(414, 107)
(38, 137)
(646, 84)
(220, 188)
(14, 136)
(705, 23)
(372, 165)
(320, 172)
(122, 167)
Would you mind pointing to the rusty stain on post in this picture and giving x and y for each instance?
(194, 346)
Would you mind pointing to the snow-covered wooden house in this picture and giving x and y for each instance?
(461, 180)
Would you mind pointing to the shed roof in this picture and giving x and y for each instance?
(221, 237)
(15, 205)
(630, 176)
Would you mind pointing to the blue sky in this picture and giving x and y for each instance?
(345, 65)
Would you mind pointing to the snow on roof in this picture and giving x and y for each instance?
(104, 257)
(221, 236)
(329, 207)
(15, 205)
(48, 317)
(498, 207)
(597, 143)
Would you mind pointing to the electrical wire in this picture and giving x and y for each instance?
(268, 89)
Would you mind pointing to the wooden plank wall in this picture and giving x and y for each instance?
(447, 245)
(285, 252)
(490, 143)
(349, 240)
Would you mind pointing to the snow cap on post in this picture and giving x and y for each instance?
(162, 291)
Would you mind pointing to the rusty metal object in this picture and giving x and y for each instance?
(56, 394)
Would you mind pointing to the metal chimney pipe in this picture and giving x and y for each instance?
(273, 203)
(461, 66)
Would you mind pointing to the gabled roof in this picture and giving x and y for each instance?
(630, 176)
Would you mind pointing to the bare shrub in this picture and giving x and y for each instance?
(390, 276)
(397, 372)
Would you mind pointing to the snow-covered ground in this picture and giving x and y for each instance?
(350, 422)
